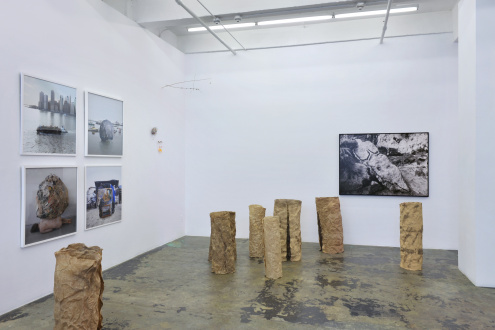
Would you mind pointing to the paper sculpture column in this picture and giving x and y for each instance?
(411, 235)
(256, 215)
(222, 242)
(271, 237)
(78, 287)
(330, 231)
(289, 213)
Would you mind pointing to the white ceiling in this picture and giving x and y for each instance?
(168, 20)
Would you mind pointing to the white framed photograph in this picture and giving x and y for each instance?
(49, 203)
(48, 117)
(103, 186)
(104, 125)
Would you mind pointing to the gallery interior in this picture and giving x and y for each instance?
(246, 115)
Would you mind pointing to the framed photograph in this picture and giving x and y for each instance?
(49, 204)
(103, 195)
(48, 117)
(389, 164)
(104, 125)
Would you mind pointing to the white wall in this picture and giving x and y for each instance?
(485, 114)
(267, 127)
(476, 112)
(467, 138)
(88, 45)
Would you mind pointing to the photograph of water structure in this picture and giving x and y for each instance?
(391, 164)
(48, 117)
(103, 195)
(49, 204)
(104, 126)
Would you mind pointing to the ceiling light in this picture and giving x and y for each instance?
(296, 20)
(377, 12)
(220, 27)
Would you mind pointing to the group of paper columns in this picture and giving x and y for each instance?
(277, 238)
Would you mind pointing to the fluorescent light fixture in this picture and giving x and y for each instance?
(219, 27)
(296, 20)
(377, 12)
(309, 19)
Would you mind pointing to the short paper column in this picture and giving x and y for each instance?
(289, 213)
(222, 242)
(331, 233)
(411, 235)
(78, 287)
(273, 251)
(256, 215)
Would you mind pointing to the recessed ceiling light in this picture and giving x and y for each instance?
(219, 27)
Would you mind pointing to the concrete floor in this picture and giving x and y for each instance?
(172, 287)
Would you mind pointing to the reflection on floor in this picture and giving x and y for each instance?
(172, 287)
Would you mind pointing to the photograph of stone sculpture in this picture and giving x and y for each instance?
(48, 117)
(392, 164)
(103, 195)
(49, 208)
(104, 125)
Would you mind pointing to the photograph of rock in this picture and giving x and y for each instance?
(103, 195)
(390, 164)
(49, 208)
(48, 117)
(104, 125)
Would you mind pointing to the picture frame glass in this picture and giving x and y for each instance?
(104, 126)
(384, 164)
(48, 117)
(103, 186)
(49, 206)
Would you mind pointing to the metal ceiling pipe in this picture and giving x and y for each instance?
(389, 5)
(180, 3)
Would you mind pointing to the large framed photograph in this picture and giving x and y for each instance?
(48, 117)
(104, 125)
(103, 195)
(49, 204)
(389, 164)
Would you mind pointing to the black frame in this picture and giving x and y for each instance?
(380, 188)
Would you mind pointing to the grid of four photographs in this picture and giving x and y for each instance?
(49, 128)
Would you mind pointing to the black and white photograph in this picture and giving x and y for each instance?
(389, 164)
(48, 117)
(103, 195)
(49, 204)
(104, 125)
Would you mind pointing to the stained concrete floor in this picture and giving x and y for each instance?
(172, 287)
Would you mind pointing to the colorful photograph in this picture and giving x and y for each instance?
(48, 117)
(104, 126)
(49, 204)
(103, 195)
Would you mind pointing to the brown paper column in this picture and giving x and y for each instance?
(289, 213)
(294, 210)
(280, 211)
(411, 235)
(273, 251)
(256, 215)
(222, 242)
(330, 229)
(78, 287)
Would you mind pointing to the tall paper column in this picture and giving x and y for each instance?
(271, 237)
(222, 242)
(78, 287)
(256, 215)
(411, 235)
(289, 213)
(294, 210)
(331, 233)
